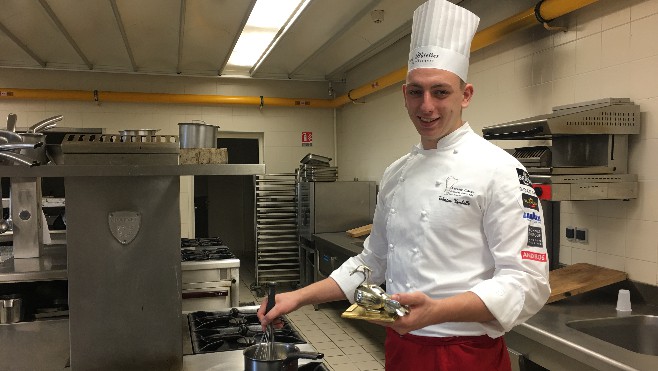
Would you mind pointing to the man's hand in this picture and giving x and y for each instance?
(421, 312)
(285, 303)
(425, 311)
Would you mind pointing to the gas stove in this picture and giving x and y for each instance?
(234, 329)
(210, 274)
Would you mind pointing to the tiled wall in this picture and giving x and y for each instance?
(609, 50)
(280, 127)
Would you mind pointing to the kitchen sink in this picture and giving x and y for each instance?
(636, 333)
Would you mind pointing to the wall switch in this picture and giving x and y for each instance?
(581, 235)
(570, 233)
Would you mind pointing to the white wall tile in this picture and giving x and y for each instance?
(583, 256)
(611, 261)
(565, 255)
(614, 13)
(643, 78)
(589, 21)
(642, 271)
(643, 8)
(645, 207)
(642, 240)
(611, 236)
(616, 46)
(588, 53)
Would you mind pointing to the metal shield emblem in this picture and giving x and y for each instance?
(124, 225)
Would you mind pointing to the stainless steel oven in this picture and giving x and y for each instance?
(330, 207)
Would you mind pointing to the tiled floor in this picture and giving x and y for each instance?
(348, 345)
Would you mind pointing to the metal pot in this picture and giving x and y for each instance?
(141, 135)
(197, 135)
(284, 357)
(38, 153)
(11, 309)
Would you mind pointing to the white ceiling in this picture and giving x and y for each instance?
(195, 37)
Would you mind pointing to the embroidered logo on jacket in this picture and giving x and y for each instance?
(530, 202)
(529, 255)
(454, 194)
(534, 237)
(524, 178)
(532, 216)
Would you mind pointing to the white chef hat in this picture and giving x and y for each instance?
(441, 37)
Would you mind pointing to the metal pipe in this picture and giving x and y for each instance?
(548, 9)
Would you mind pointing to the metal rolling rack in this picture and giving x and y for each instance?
(277, 252)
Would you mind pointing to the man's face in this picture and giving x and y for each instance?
(434, 99)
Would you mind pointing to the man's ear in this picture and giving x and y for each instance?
(467, 95)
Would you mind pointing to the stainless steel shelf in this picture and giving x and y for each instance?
(129, 170)
(51, 265)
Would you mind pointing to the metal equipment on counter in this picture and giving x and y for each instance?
(588, 155)
(329, 207)
(210, 275)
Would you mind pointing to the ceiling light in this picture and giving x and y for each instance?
(268, 21)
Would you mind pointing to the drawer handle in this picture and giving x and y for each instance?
(204, 294)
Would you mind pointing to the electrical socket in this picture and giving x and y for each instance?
(570, 234)
(581, 235)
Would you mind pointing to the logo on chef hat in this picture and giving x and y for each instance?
(441, 36)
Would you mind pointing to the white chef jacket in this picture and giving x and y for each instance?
(462, 217)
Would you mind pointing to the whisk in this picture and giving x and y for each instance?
(265, 350)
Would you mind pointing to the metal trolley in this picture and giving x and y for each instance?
(277, 251)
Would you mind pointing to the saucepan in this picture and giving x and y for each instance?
(283, 358)
(273, 356)
(11, 309)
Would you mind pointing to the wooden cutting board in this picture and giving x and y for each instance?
(360, 231)
(580, 277)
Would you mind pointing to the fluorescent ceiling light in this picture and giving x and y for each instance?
(266, 22)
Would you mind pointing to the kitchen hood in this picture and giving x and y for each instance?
(587, 158)
(603, 116)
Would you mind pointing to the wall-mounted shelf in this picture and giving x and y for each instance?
(129, 170)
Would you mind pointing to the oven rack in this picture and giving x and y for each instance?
(277, 252)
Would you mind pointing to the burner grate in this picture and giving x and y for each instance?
(234, 329)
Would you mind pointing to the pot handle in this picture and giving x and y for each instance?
(305, 355)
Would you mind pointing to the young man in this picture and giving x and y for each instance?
(451, 235)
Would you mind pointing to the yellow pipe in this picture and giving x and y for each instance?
(550, 9)
(109, 96)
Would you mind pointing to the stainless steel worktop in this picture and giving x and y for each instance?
(340, 242)
(550, 334)
(51, 265)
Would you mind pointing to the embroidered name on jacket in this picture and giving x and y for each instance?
(455, 194)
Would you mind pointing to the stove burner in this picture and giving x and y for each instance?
(247, 341)
(201, 242)
(234, 329)
(201, 253)
(237, 321)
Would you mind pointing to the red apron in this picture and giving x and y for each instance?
(461, 353)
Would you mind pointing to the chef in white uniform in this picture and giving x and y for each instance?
(458, 234)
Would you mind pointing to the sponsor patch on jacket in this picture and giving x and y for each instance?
(532, 216)
(524, 178)
(536, 256)
(530, 201)
(534, 237)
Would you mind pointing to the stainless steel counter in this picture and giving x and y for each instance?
(51, 265)
(340, 242)
(546, 333)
